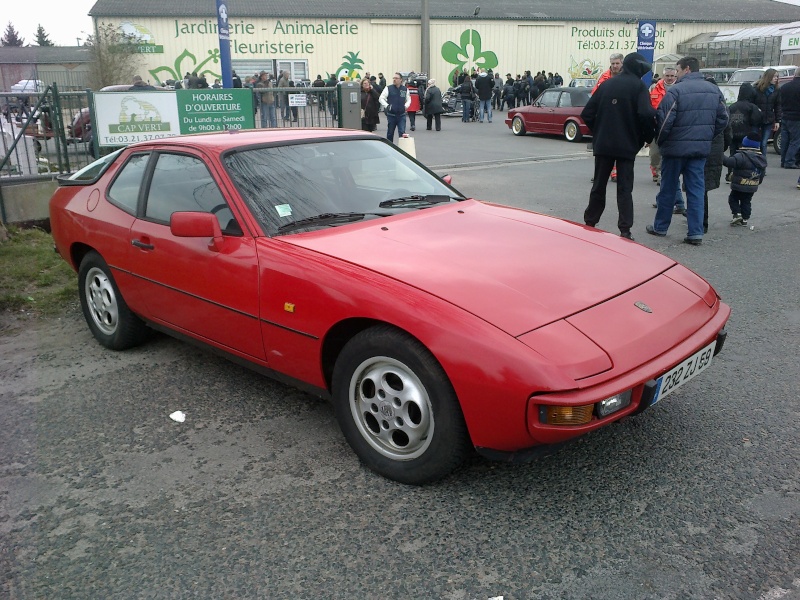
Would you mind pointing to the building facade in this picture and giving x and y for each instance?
(174, 40)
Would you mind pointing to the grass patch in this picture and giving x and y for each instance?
(33, 278)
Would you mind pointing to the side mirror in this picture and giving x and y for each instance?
(447, 179)
(197, 224)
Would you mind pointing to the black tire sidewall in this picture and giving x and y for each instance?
(130, 330)
(450, 441)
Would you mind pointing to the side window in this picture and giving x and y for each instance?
(183, 183)
(565, 100)
(124, 192)
(549, 99)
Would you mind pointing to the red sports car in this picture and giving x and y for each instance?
(334, 261)
(557, 110)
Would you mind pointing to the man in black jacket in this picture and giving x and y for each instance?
(622, 120)
(790, 123)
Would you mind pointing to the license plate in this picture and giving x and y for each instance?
(680, 374)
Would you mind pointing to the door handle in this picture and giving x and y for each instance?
(142, 245)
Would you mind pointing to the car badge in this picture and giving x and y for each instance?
(642, 306)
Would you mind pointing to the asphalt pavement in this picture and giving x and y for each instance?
(257, 495)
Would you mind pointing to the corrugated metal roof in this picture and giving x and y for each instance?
(44, 55)
(754, 32)
(722, 11)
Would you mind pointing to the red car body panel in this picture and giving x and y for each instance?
(510, 338)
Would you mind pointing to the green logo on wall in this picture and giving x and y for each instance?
(468, 54)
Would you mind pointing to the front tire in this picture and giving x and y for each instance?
(397, 408)
(518, 125)
(572, 131)
(108, 316)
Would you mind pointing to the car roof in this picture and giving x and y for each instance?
(225, 140)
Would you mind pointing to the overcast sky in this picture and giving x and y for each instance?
(66, 20)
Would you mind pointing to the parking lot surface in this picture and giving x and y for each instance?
(257, 495)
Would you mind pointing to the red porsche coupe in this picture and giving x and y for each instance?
(331, 260)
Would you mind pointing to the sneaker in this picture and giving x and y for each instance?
(728, 177)
(736, 220)
(679, 211)
(744, 222)
(649, 229)
(654, 173)
(693, 241)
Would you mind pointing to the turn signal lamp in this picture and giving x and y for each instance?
(566, 415)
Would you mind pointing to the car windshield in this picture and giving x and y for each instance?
(745, 76)
(300, 187)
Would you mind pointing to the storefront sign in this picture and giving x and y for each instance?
(124, 118)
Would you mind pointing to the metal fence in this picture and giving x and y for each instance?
(50, 132)
(41, 134)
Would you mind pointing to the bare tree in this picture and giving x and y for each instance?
(115, 59)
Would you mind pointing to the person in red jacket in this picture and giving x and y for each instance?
(415, 106)
(656, 95)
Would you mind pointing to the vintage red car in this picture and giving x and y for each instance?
(557, 110)
(330, 259)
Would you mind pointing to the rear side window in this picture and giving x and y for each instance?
(183, 183)
(124, 192)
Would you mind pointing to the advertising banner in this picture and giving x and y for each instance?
(123, 118)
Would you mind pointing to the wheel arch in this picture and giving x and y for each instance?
(342, 332)
(77, 252)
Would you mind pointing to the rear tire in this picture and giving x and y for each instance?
(109, 318)
(776, 141)
(397, 408)
(572, 131)
(518, 125)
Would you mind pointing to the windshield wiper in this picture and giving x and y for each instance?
(327, 219)
(417, 199)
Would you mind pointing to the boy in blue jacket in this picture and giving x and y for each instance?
(748, 166)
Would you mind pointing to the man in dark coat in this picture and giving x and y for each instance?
(622, 121)
(790, 123)
(432, 105)
(713, 168)
(690, 116)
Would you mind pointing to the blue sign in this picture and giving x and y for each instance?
(646, 44)
(224, 31)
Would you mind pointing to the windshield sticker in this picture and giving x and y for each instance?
(284, 210)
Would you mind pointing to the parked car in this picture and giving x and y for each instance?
(557, 110)
(587, 82)
(365, 278)
(720, 74)
(730, 90)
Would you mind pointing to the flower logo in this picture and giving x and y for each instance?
(469, 52)
(187, 63)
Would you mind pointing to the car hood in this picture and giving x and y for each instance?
(515, 269)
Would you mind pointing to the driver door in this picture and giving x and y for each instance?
(208, 293)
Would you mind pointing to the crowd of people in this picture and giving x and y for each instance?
(683, 122)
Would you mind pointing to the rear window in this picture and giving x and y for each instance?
(91, 172)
